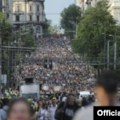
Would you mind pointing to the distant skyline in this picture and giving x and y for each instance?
(53, 8)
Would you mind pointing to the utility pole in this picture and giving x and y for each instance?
(25, 14)
(108, 55)
(115, 55)
(0, 55)
(76, 29)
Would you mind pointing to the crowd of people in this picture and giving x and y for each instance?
(51, 109)
(65, 109)
(61, 75)
(54, 64)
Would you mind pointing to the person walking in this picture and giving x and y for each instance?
(4, 109)
(106, 95)
(66, 110)
(52, 108)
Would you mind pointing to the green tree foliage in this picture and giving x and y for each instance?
(6, 30)
(6, 33)
(28, 40)
(46, 26)
(93, 29)
(54, 29)
(2, 17)
(69, 18)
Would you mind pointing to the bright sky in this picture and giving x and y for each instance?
(53, 9)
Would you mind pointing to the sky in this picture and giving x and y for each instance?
(53, 8)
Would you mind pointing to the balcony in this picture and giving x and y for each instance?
(18, 13)
(19, 22)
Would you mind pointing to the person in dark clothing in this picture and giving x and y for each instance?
(84, 102)
(106, 88)
(4, 109)
(66, 110)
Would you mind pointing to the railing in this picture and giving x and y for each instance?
(18, 48)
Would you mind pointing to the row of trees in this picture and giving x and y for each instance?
(13, 38)
(94, 29)
(9, 36)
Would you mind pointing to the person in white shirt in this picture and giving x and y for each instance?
(52, 109)
(43, 113)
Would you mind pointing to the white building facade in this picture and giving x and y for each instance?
(84, 4)
(25, 13)
(114, 8)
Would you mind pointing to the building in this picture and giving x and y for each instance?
(26, 14)
(84, 4)
(0, 5)
(115, 10)
(7, 8)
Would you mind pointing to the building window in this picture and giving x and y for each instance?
(38, 18)
(38, 8)
(17, 18)
(18, 8)
(30, 8)
(30, 17)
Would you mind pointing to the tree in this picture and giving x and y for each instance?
(6, 30)
(93, 32)
(6, 38)
(69, 18)
(6, 33)
(2, 17)
(54, 29)
(46, 26)
(28, 40)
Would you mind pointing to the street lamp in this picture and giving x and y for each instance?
(108, 53)
(107, 44)
(0, 53)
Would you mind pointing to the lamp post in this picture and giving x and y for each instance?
(108, 53)
(115, 55)
(25, 14)
(0, 53)
(107, 44)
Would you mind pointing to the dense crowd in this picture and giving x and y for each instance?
(51, 109)
(54, 64)
(62, 75)
(67, 108)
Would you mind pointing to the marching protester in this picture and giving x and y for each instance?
(52, 109)
(43, 113)
(4, 109)
(106, 95)
(19, 109)
(66, 110)
(56, 65)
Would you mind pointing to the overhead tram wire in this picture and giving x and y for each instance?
(52, 13)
